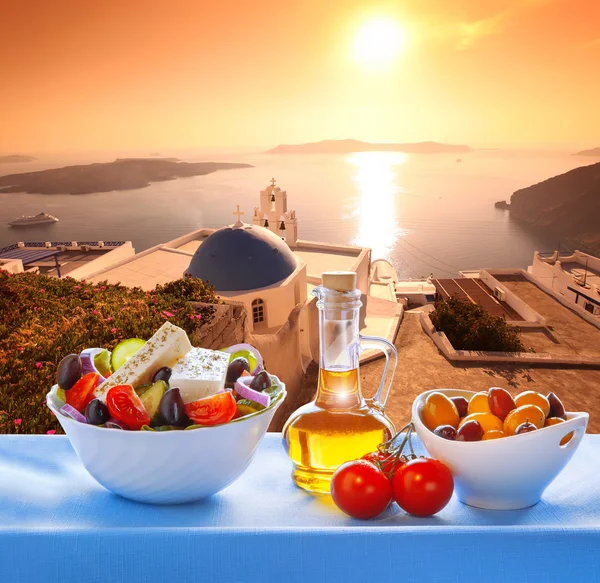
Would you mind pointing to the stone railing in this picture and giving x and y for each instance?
(227, 326)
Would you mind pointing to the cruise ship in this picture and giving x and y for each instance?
(40, 219)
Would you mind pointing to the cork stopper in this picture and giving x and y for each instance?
(342, 281)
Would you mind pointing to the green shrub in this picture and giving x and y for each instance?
(42, 319)
(469, 327)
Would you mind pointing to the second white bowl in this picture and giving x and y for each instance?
(507, 473)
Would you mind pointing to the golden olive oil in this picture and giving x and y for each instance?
(338, 426)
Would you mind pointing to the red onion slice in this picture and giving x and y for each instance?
(249, 348)
(87, 361)
(113, 423)
(244, 391)
(71, 412)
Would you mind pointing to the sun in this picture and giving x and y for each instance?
(378, 42)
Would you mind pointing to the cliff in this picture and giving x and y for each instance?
(592, 152)
(13, 158)
(122, 174)
(568, 204)
(348, 146)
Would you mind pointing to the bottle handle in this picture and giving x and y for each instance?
(388, 349)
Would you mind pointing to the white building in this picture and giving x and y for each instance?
(264, 265)
(575, 276)
(77, 259)
(253, 265)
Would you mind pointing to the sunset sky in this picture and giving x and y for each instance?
(161, 74)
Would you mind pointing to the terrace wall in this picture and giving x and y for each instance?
(531, 317)
(11, 265)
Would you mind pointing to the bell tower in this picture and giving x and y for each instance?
(273, 211)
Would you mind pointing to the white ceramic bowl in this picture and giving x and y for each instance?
(507, 473)
(167, 467)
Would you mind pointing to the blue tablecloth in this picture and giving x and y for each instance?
(58, 524)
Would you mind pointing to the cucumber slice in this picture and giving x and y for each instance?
(247, 407)
(151, 397)
(102, 363)
(273, 391)
(61, 395)
(123, 351)
(142, 389)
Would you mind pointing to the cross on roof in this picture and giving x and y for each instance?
(272, 181)
(238, 213)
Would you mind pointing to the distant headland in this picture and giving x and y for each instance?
(592, 152)
(122, 174)
(348, 146)
(567, 205)
(16, 158)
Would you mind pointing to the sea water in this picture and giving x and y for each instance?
(428, 213)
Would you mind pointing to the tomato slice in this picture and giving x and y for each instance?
(124, 404)
(219, 408)
(82, 392)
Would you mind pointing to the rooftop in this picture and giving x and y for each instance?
(169, 261)
(566, 332)
(149, 269)
(43, 257)
(582, 272)
(477, 292)
(326, 258)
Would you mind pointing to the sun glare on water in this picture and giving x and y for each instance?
(378, 42)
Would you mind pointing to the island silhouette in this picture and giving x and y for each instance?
(348, 146)
(122, 174)
(590, 152)
(16, 158)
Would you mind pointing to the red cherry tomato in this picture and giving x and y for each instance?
(124, 404)
(385, 461)
(359, 488)
(423, 486)
(82, 392)
(214, 410)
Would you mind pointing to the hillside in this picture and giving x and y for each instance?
(568, 205)
(348, 146)
(122, 174)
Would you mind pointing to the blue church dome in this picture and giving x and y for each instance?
(245, 258)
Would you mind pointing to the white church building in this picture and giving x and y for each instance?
(262, 264)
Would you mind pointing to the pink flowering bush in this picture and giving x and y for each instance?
(42, 319)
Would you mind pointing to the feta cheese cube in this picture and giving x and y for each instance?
(200, 373)
(165, 348)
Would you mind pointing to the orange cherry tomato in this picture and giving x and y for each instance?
(124, 404)
(214, 410)
(82, 392)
